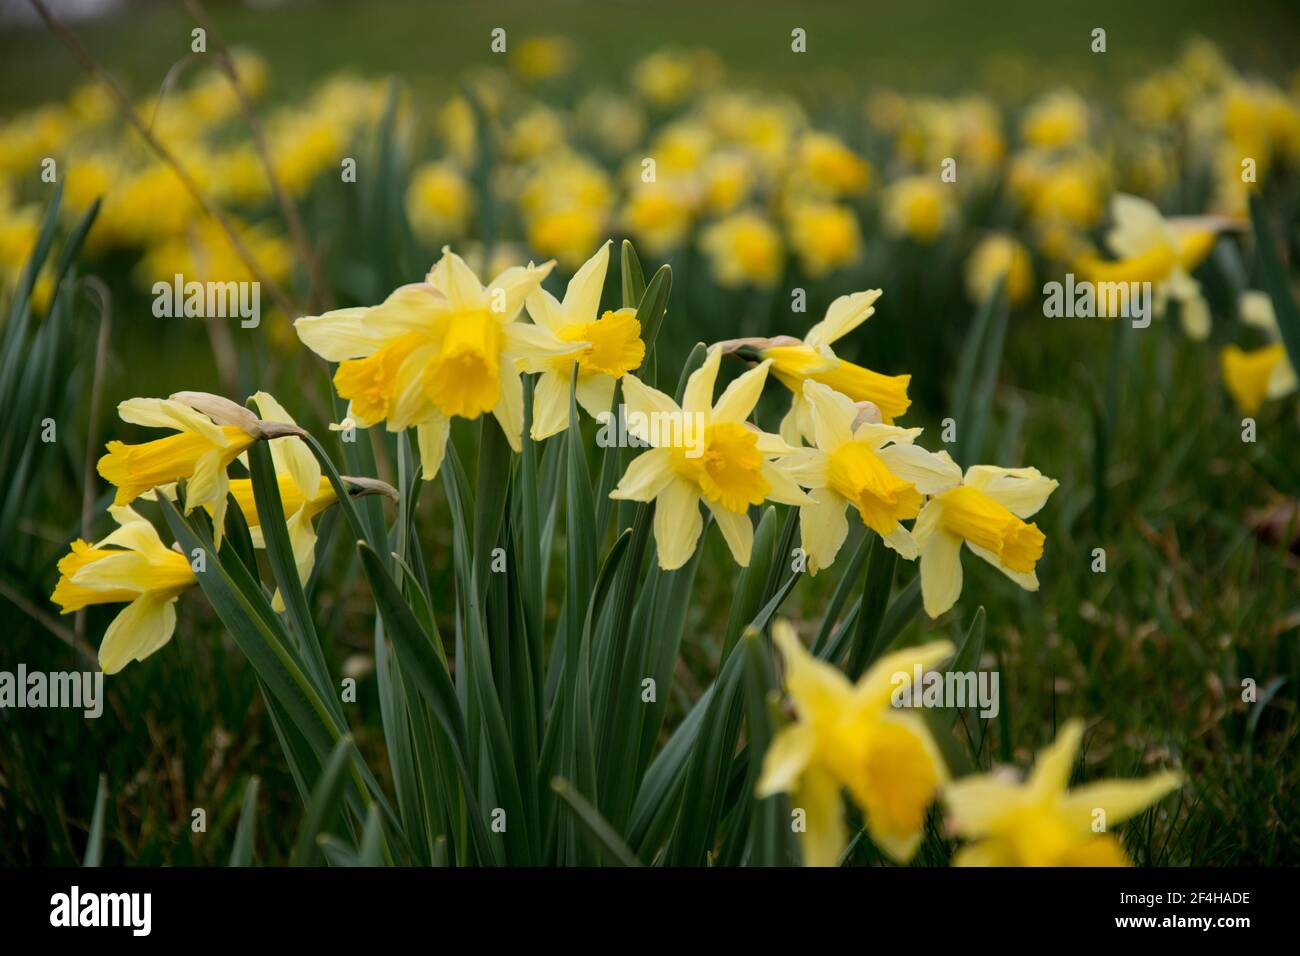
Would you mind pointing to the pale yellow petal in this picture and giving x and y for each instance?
(677, 523)
(338, 335)
(698, 396)
(1022, 491)
(845, 314)
(431, 435)
(550, 406)
(940, 571)
(823, 526)
(739, 398)
(787, 755)
(1055, 763)
(737, 530)
(1120, 799)
(142, 627)
(649, 474)
(832, 415)
(509, 410)
(582, 298)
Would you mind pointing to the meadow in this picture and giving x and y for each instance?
(367, 666)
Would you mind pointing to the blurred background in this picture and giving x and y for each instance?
(453, 143)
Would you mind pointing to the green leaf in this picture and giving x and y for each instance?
(594, 827)
(95, 842)
(324, 806)
(429, 674)
(632, 275)
(242, 852)
(879, 582)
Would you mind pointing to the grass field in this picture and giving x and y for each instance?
(1198, 527)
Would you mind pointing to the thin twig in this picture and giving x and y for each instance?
(91, 65)
(317, 294)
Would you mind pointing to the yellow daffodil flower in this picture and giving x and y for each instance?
(1041, 822)
(1162, 252)
(1262, 373)
(917, 207)
(873, 467)
(795, 362)
(1056, 120)
(826, 165)
(985, 510)
(435, 350)
(743, 249)
(131, 566)
(825, 236)
(849, 737)
(703, 450)
(999, 258)
(439, 201)
(211, 432)
(613, 348)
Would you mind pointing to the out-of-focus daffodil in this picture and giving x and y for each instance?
(131, 566)
(439, 202)
(703, 450)
(999, 258)
(1162, 252)
(447, 347)
(1056, 120)
(828, 166)
(743, 249)
(848, 737)
(612, 348)
(1041, 822)
(1263, 373)
(986, 510)
(918, 208)
(825, 236)
(872, 467)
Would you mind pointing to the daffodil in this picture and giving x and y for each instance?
(999, 258)
(795, 362)
(611, 347)
(917, 207)
(1262, 373)
(986, 510)
(825, 236)
(857, 462)
(211, 432)
(743, 249)
(131, 566)
(1041, 822)
(849, 737)
(447, 347)
(703, 450)
(1160, 251)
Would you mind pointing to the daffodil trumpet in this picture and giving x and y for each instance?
(211, 432)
